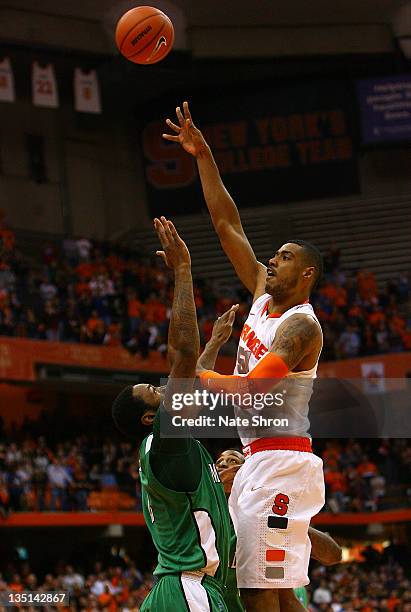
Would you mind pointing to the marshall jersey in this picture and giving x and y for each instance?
(256, 339)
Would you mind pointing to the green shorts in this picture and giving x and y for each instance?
(185, 592)
(301, 594)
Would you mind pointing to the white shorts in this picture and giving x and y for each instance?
(274, 497)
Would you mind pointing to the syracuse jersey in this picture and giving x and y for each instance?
(256, 339)
(281, 485)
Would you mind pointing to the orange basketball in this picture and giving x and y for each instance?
(144, 35)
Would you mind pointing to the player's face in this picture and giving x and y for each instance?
(284, 271)
(149, 394)
(229, 458)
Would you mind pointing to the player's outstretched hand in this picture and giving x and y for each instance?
(186, 133)
(175, 252)
(223, 326)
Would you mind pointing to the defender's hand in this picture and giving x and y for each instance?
(190, 137)
(175, 252)
(223, 326)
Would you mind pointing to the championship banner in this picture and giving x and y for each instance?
(44, 86)
(385, 107)
(7, 91)
(274, 145)
(86, 91)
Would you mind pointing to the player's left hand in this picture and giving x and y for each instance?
(223, 326)
(175, 252)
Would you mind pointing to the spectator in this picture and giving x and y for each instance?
(349, 343)
(59, 479)
(70, 580)
(322, 594)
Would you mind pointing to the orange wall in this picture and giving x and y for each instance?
(16, 404)
(18, 359)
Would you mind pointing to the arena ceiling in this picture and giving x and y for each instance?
(89, 24)
(229, 12)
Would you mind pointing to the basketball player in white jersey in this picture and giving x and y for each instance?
(281, 485)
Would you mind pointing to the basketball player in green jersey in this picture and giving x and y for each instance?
(324, 548)
(183, 499)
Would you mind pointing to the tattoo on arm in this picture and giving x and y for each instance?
(183, 332)
(295, 338)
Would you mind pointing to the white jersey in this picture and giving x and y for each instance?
(256, 339)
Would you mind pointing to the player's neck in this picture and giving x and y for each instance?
(275, 307)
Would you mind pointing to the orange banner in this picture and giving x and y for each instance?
(19, 357)
(136, 519)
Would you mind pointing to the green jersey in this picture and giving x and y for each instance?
(232, 596)
(190, 529)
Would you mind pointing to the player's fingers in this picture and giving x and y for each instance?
(167, 231)
(161, 233)
(170, 137)
(187, 113)
(180, 116)
(175, 233)
(158, 226)
(231, 317)
(228, 312)
(172, 228)
(162, 255)
(173, 126)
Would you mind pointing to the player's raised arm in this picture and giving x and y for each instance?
(183, 335)
(223, 211)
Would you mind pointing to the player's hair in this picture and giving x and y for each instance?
(127, 411)
(313, 257)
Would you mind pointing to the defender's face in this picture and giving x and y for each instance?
(284, 270)
(229, 458)
(150, 395)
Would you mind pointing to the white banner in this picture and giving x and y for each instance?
(44, 86)
(373, 374)
(86, 91)
(7, 92)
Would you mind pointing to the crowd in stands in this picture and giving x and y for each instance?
(99, 293)
(82, 474)
(379, 584)
(366, 475)
(111, 589)
(97, 472)
(379, 587)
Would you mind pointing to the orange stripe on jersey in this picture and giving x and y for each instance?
(274, 555)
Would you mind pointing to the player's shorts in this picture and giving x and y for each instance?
(274, 497)
(232, 596)
(185, 592)
(301, 595)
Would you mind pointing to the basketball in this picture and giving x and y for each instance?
(144, 35)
